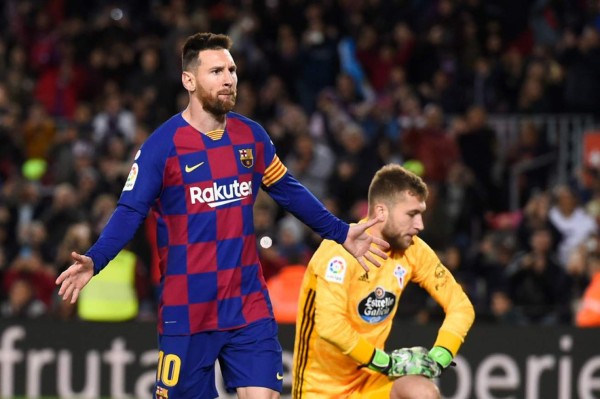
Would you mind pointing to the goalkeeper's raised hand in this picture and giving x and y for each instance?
(405, 361)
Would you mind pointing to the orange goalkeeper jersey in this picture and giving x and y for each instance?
(345, 312)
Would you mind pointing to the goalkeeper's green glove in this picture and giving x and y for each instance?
(442, 356)
(405, 361)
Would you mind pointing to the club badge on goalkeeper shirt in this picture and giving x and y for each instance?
(400, 272)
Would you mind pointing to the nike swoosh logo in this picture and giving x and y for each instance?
(279, 377)
(189, 169)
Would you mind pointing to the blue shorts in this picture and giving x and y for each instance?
(249, 357)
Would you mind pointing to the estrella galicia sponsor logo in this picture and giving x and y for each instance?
(377, 306)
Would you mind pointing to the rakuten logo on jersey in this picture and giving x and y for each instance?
(221, 194)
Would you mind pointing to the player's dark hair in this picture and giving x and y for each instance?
(199, 42)
(393, 180)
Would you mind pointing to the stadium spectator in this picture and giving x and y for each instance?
(577, 269)
(485, 268)
(34, 238)
(342, 185)
(464, 201)
(58, 88)
(22, 302)
(483, 88)
(77, 238)
(119, 294)
(61, 214)
(356, 103)
(536, 214)
(317, 59)
(580, 54)
(29, 265)
(571, 220)
(312, 163)
(27, 204)
(285, 61)
(8, 238)
(354, 143)
(532, 98)
(290, 123)
(148, 87)
(351, 311)
(589, 313)
(39, 131)
(530, 144)
(444, 91)
(114, 163)
(511, 68)
(292, 245)
(502, 309)
(427, 142)
(113, 121)
(61, 160)
(539, 284)
(440, 236)
(478, 148)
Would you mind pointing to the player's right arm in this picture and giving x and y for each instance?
(141, 189)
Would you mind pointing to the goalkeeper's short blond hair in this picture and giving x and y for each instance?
(393, 181)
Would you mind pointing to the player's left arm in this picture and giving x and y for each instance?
(296, 199)
(439, 282)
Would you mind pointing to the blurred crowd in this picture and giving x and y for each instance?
(342, 87)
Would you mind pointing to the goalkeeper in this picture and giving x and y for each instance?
(345, 314)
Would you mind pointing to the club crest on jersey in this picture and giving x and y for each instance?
(162, 393)
(400, 273)
(246, 157)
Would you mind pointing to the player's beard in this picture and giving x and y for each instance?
(397, 241)
(216, 105)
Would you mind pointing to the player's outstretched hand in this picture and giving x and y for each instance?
(359, 244)
(73, 279)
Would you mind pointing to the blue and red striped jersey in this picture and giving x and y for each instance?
(202, 187)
